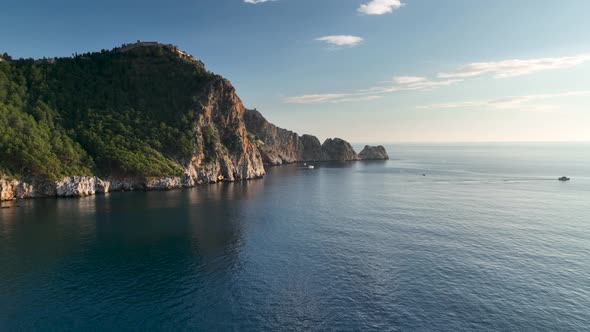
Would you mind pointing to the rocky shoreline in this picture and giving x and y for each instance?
(83, 186)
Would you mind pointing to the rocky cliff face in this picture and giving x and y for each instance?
(226, 150)
(373, 153)
(281, 146)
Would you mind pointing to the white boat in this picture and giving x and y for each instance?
(310, 166)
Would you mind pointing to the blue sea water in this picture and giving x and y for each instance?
(488, 239)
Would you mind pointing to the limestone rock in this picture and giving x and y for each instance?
(125, 183)
(7, 189)
(76, 186)
(165, 183)
(101, 186)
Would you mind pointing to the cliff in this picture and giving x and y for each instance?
(226, 151)
(143, 117)
(281, 146)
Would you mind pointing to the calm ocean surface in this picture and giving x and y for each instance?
(487, 240)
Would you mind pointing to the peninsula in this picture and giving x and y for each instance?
(143, 116)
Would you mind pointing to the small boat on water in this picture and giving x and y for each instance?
(310, 166)
(564, 179)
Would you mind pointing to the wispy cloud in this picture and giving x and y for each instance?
(515, 67)
(401, 83)
(511, 103)
(409, 79)
(341, 40)
(331, 98)
(257, 1)
(380, 7)
(409, 83)
(315, 98)
(500, 69)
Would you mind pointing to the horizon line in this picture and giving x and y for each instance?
(466, 142)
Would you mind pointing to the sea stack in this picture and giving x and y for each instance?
(373, 153)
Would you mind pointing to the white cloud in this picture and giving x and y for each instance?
(257, 1)
(341, 40)
(524, 103)
(515, 67)
(380, 7)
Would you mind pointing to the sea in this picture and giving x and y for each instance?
(441, 237)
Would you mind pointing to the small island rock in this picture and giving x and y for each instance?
(373, 153)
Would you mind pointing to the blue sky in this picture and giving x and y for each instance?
(363, 70)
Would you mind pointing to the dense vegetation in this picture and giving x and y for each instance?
(99, 113)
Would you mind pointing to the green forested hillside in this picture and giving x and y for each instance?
(108, 112)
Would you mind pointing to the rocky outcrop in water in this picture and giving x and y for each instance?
(373, 153)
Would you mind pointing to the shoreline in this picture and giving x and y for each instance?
(84, 186)
(12, 189)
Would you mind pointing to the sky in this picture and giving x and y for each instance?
(364, 70)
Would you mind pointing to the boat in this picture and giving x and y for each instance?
(564, 178)
(310, 166)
